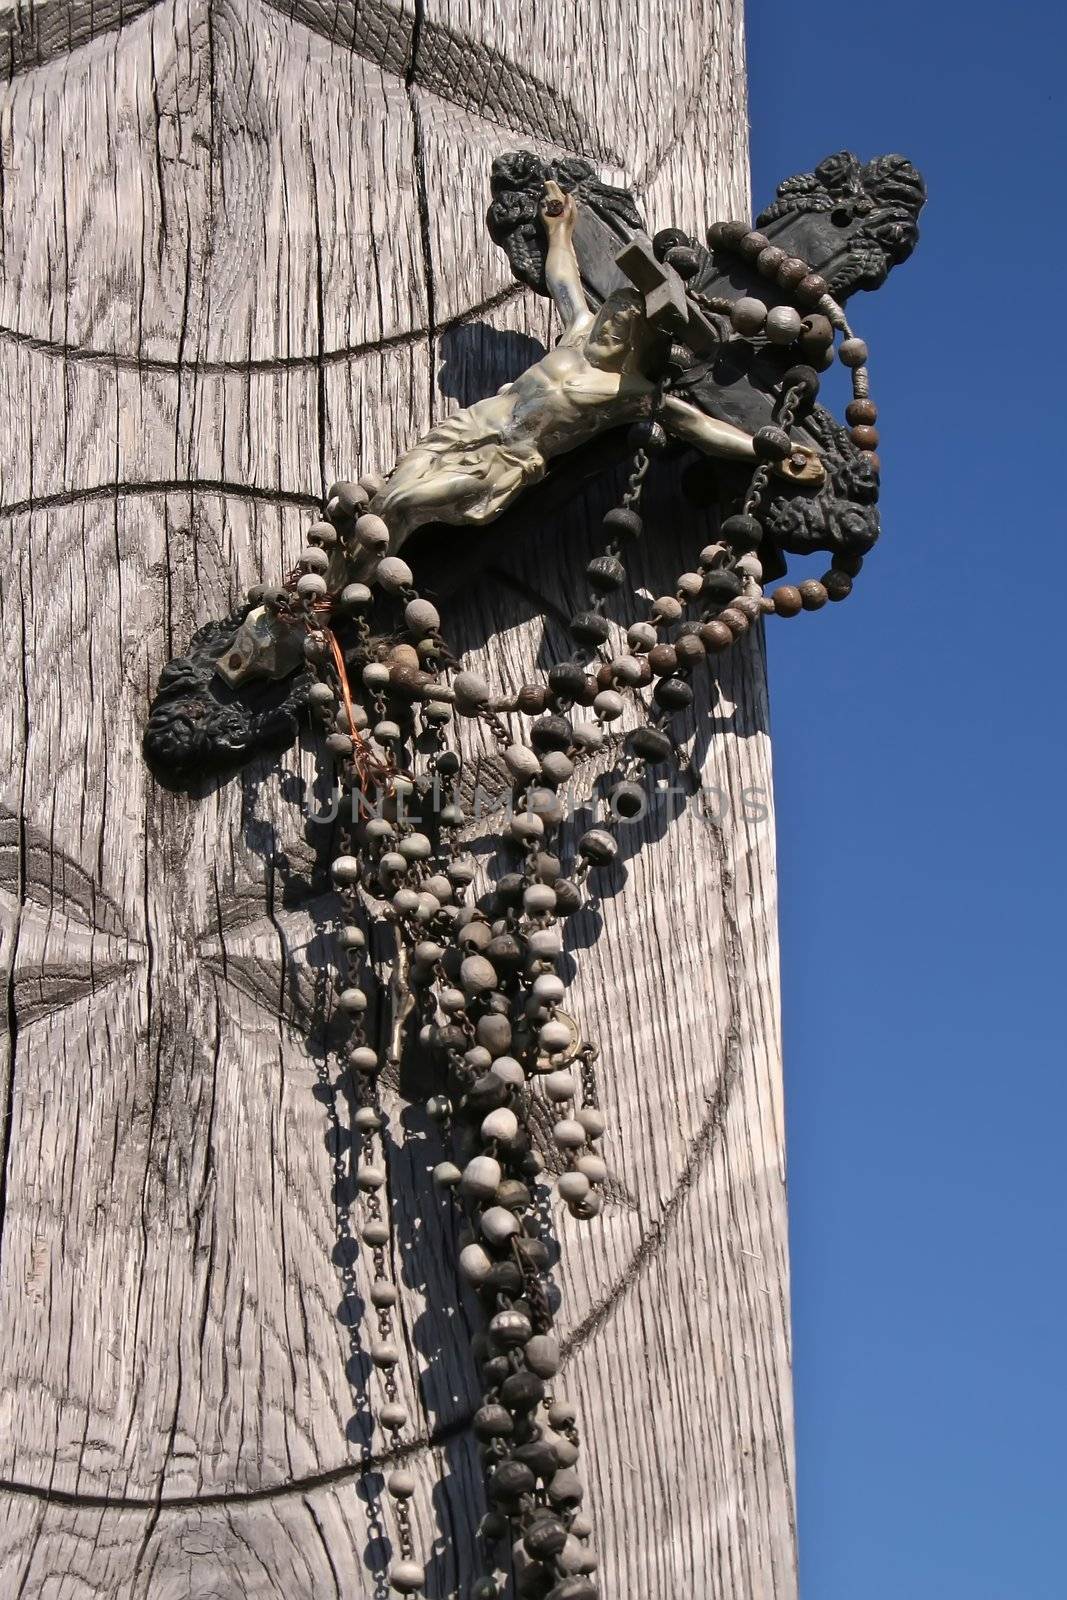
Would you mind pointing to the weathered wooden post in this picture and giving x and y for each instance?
(239, 258)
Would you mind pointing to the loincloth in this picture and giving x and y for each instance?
(474, 472)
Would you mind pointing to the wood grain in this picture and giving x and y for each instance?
(241, 252)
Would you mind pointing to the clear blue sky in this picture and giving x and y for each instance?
(919, 756)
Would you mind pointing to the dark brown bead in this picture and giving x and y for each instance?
(750, 247)
(812, 594)
(771, 443)
(662, 659)
(722, 586)
(673, 694)
(864, 438)
(511, 1479)
(605, 573)
(522, 1391)
(492, 1422)
(838, 585)
(787, 600)
(531, 699)
(605, 678)
(861, 411)
(716, 636)
(589, 627)
(817, 333)
(545, 1538)
(567, 680)
(804, 378)
(873, 459)
(791, 271)
(505, 953)
(768, 261)
(742, 532)
(408, 683)
(847, 561)
(650, 744)
(810, 290)
(689, 650)
(727, 235)
(735, 620)
(684, 259)
(540, 1457)
(551, 733)
(622, 522)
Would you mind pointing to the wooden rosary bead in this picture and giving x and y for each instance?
(727, 235)
(551, 733)
(735, 620)
(771, 444)
(650, 744)
(648, 435)
(788, 600)
(838, 585)
(510, 1480)
(769, 260)
(810, 290)
(748, 316)
(634, 672)
(662, 659)
(622, 523)
(751, 246)
(864, 437)
(589, 627)
(567, 680)
(812, 594)
(605, 573)
(861, 411)
(783, 325)
(742, 532)
(674, 694)
(716, 636)
(802, 377)
(667, 608)
(873, 459)
(852, 352)
(545, 1538)
(407, 1577)
(791, 271)
(345, 499)
(722, 586)
(684, 259)
(689, 650)
(531, 699)
(523, 1390)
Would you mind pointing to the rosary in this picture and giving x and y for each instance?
(718, 346)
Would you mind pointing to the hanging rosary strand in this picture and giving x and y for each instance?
(475, 958)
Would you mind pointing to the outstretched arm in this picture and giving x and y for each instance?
(724, 439)
(559, 212)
